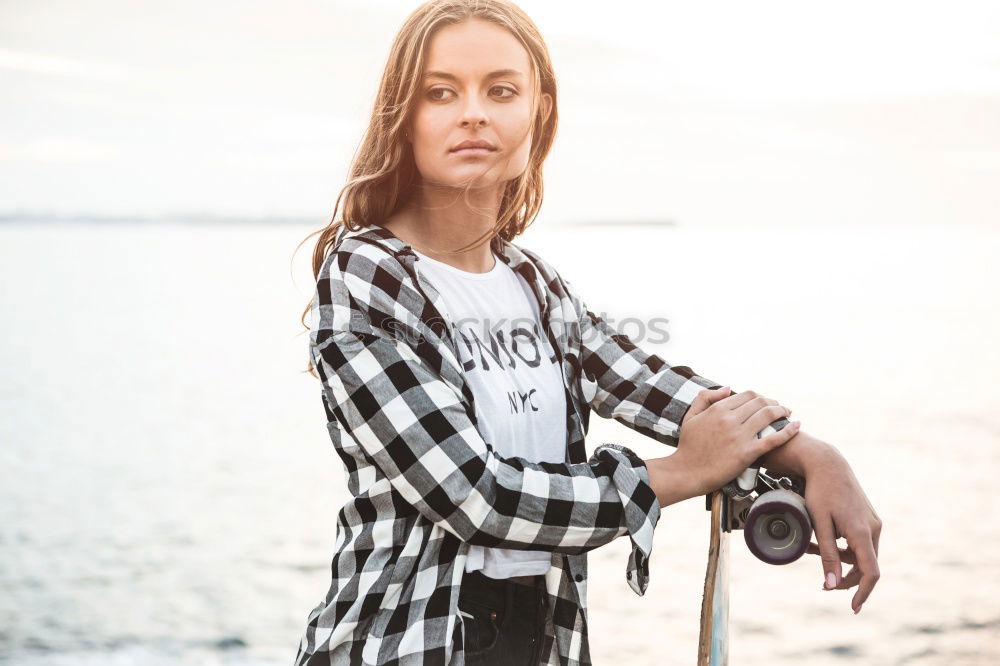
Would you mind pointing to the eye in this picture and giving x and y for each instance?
(433, 95)
(430, 94)
(513, 93)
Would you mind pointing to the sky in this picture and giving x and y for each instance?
(705, 114)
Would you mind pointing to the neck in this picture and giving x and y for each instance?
(439, 221)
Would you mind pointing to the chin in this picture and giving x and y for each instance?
(473, 177)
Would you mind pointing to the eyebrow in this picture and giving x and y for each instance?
(491, 75)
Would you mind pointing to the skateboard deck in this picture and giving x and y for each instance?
(776, 527)
(713, 642)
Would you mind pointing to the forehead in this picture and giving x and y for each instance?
(474, 48)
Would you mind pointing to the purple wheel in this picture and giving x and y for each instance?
(778, 529)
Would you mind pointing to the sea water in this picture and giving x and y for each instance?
(170, 493)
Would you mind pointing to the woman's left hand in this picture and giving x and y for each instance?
(839, 508)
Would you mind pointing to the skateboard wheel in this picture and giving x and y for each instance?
(778, 529)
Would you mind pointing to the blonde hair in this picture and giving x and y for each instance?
(383, 173)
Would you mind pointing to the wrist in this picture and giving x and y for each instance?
(799, 454)
(668, 480)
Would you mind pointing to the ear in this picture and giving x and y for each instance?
(546, 106)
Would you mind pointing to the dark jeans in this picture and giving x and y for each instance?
(508, 620)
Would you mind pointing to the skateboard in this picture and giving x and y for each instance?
(776, 527)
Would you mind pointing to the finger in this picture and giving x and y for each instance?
(753, 406)
(763, 418)
(864, 550)
(705, 398)
(750, 407)
(851, 578)
(846, 554)
(737, 399)
(759, 447)
(829, 555)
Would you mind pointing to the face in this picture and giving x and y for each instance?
(476, 86)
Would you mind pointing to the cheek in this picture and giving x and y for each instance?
(515, 126)
(429, 126)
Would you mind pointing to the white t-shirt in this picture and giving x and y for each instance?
(515, 378)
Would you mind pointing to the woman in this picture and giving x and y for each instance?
(458, 371)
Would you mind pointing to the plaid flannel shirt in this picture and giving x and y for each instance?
(426, 485)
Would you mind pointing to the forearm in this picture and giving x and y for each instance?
(434, 457)
(672, 482)
(637, 388)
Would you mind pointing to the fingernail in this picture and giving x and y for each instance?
(857, 610)
(831, 580)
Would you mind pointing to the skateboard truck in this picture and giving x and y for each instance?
(772, 513)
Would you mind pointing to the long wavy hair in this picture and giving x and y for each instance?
(383, 176)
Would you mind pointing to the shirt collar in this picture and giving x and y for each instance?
(511, 254)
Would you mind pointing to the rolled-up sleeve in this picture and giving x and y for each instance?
(641, 511)
(415, 427)
(637, 388)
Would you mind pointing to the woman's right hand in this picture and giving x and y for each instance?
(718, 437)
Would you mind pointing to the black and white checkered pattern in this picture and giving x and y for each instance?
(425, 485)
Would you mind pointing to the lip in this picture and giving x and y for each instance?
(472, 151)
(474, 146)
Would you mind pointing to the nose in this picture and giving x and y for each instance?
(473, 114)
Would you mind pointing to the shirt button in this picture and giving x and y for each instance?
(628, 575)
(579, 577)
